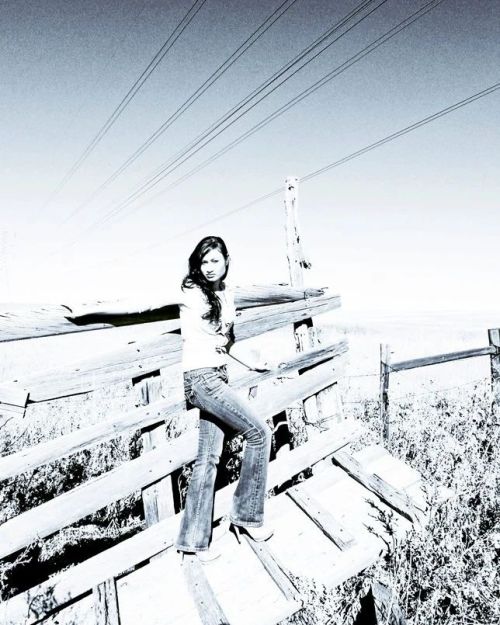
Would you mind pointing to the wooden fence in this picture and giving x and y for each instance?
(387, 366)
(153, 366)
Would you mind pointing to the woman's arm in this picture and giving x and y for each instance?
(248, 358)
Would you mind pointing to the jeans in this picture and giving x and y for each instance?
(222, 409)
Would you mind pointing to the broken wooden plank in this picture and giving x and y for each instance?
(326, 522)
(203, 596)
(106, 603)
(78, 580)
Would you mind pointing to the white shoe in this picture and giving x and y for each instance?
(206, 556)
(257, 534)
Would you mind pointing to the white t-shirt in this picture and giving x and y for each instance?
(202, 341)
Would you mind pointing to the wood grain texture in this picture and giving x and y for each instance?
(393, 497)
(106, 603)
(28, 607)
(274, 568)
(326, 522)
(385, 369)
(440, 358)
(205, 600)
(25, 321)
(160, 410)
(158, 498)
(143, 357)
(140, 472)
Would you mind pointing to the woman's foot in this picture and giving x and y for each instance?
(257, 534)
(205, 556)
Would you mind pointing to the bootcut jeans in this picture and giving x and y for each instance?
(222, 409)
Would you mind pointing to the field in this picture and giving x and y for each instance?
(441, 423)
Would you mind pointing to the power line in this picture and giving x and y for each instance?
(162, 170)
(395, 135)
(129, 96)
(218, 73)
(307, 92)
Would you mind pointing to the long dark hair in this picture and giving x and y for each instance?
(195, 276)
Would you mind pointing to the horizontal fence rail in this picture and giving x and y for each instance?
(96, 493)
(152, 367)
(25, 321)
(116, 425)
(144, 357)
(387, 367)
(441, 358)
(29, 607)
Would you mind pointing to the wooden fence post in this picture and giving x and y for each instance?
(494, 339)
(157, 499)
(384, 390)
(299, 413)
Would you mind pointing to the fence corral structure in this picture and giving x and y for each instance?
(387, 366)
(325, 524)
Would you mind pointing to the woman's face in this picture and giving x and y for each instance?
(213, 265)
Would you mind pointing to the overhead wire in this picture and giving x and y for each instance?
(307, 92)
(159, 172)
(128, 97)
(372, 146)
(218, 73)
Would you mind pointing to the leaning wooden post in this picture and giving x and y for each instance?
(157, 499)
(494, 339)
(301, 412)
(384, 390)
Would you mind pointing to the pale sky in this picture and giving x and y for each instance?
(413, 225)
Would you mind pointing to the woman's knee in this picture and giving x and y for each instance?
(259, 435)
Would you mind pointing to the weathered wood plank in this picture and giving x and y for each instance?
(391, 496)
(385, 369)
(163, 410)
(78, 580)
(157, 499)
(106, 603)
(274, 568)
(253, 322)
(121, 365)
(302, 414)
(440, 358)
(25, 321)
(205, 600)
(494, 339)
(140, 358)
(140, 472)
(327, 523)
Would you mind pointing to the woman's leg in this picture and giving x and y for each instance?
(213, 395)
(196, 525)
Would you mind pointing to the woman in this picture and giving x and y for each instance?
(207, 316)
